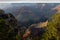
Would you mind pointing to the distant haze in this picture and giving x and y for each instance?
(28, 11)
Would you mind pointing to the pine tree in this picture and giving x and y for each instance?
(7, 28)
(52, 28)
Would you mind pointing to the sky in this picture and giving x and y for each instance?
(29, 0)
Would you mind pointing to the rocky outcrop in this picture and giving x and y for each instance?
(57, 8)
(36, 29)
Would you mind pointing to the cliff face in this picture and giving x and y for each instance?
(36, 29)
(57, 8)
(42, 24)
